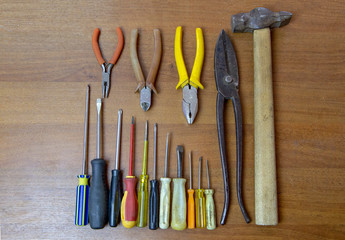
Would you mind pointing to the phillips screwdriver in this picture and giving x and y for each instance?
(99, 192)
(129, 204)
(143, 194)
(115, 195)
(191, 208)
(154, 195)
(179, 210)
(82, 196)
(200, 202)
(210, 211)
(164, 204)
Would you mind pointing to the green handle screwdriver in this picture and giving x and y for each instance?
(143, 192)
(82, 196)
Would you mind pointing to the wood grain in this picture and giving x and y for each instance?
(46, 61)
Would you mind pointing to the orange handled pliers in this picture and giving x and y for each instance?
(106, 67)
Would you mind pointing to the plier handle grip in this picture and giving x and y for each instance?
(106, 67)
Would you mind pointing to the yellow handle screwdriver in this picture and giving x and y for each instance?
(143, 193)
(210, 211)
(200, 202)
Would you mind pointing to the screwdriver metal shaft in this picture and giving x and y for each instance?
(154, 195)
(200, 202)
(210, 210)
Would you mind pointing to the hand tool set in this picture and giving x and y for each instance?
(99, 205)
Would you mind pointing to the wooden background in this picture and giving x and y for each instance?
(46, 62)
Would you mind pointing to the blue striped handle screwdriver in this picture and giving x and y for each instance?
(82, 196)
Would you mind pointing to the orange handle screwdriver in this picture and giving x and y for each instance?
(191, 206)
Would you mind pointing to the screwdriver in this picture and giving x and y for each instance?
(129, 204)
(210, 211)
(164, 204)
(178, 212)
(82, 196)
(154, 195)
(115, 195)
(191, 209)
(200, 202)
(143, 194)
(99, 193)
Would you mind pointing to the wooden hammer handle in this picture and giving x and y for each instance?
(265, 163)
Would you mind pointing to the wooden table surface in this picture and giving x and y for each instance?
(46, 62)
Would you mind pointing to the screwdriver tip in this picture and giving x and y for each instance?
(120, 111)
(132, 119)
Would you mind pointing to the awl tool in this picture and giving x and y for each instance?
(189, 85)
(154, 194)
(179, 208)
(99, 192)
(227, 80)
(259, 21)
(115, 195)
(129, 204)
(82, 196)
(164, 204)
(145, 87)
(143, 191)
(106, 67)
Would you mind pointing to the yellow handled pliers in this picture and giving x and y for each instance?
(189, 85)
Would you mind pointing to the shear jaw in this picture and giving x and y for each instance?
(190, 103)
(145, 98)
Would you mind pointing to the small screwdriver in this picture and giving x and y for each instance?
(164, 204)
(191, 208)
(143, 194)
(82, 196)
(129, 204)
(200, 202)
(210, 211)
(99, 192)
(115, 195)
(154, 195)
(179, 210)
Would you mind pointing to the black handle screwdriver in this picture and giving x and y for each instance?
(99, 193)
(154, 194)
(115, 195)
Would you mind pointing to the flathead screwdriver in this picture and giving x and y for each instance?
(190, 191)
(154, 195)
(115, 195)
(99, 192)
(164, 204)
(210, 211)
(200, 202)
(143, 190)
(82, 196)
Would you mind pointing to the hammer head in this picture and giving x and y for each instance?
(259, 18)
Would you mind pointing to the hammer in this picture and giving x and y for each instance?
(259, 21)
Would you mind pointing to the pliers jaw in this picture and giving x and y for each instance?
(190, 102)
(145, 98)
(106, 69)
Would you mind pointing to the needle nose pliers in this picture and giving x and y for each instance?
(226, 76)
(106, 67)
(189, 85)
(145, 87)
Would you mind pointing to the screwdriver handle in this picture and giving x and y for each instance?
(200, 208)
(82, 199)
(191, 209)
(129, 204)
(99, 195)
(142, 201)
(210, 211)
(179, 208)
(154, 205)
(164, 204)
(115, 198)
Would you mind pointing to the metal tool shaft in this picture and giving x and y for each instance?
(179, 161)
(208, 176)
(99, 150)
(200, 159)
(166, 157)
(190, 170)
(154, 151)
(86, 130)
(118, 138)
(145, 151)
